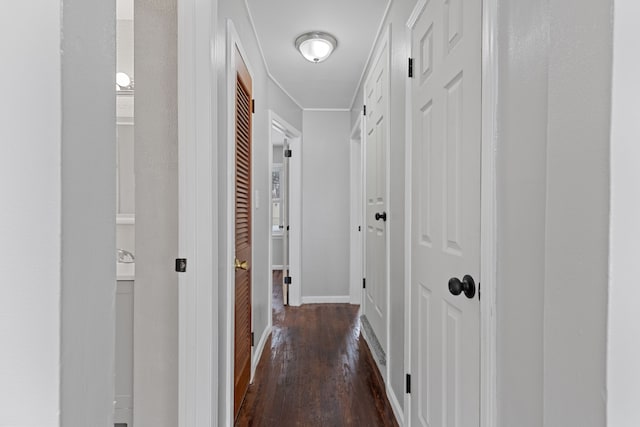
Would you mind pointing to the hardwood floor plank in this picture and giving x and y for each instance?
(315, 370)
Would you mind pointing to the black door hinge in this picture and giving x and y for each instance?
(408, 383)
(252, 339)
(287, 152)
(253, 106)
(478, 291)
(364, 110)
(287, 280)
(181, 265)
(364, 283)
(410, 67)
(359, 228)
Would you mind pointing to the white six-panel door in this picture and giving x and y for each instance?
(445, 226)
(376, 292)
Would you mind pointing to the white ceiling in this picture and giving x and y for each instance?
(330, 84)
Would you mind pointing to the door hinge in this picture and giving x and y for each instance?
(364, 283)
(253, 106)
(252, 339)
(408, 383)
(287, 152)
(359, 228)
(181, 265)
(287, 280)
(364, 110)
(410, 67)
(479, 291)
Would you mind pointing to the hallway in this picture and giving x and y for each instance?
(316, 370)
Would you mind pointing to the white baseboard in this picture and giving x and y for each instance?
(393, 399)
(395, 405)
(342, 299)
(257, 352)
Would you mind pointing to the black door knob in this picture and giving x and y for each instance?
(468, 286)
(381, 216)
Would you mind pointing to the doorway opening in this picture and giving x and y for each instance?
(356, 260)
(125, 214)
(285, 211)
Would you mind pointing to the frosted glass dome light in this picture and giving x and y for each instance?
(316, 46)
(123, 80)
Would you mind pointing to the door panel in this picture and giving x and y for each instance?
(445, 228)
(242, 326)
(376, 291)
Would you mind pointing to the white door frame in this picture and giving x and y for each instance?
(385, 40)
(356, 249)
(294, 137)
(488, 209)
(198, 214)
(228, 311)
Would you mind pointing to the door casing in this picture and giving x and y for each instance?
(384, 43)
(356, 259)
(295, 209)
(199, 327)
(488, 208)
(233, 45)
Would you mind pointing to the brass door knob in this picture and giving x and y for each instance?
(242, 265)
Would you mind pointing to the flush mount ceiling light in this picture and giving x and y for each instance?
(123, 81)
(316, 46)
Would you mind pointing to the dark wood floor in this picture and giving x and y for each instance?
(315, 370)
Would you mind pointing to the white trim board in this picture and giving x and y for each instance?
(367, 63)
(257, 351)
(356, 253)
(295, 209)
(233, 42)
(395, 404)
(328, 109)
(198, 215)
(339, 299)
(488, 225)
(488, 215)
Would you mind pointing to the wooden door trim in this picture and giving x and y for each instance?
(488, 209)
(228, 288)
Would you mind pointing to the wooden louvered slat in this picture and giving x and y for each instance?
(242, 335)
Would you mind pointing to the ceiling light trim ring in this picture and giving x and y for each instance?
(316, 46)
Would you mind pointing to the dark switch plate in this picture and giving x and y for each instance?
(181, 265)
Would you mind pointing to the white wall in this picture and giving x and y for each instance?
(284, 106)
(88, 213)
(155, 373)
(553, 192)
(577, 231)
(267, 96)
(30, 219)
(57, 225)
(521, 192)
(325, 204)
(397, 18)
(623, 382)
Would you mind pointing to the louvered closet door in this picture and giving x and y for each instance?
(242, 349)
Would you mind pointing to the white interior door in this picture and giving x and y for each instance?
(376, 219)
(445, 226)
